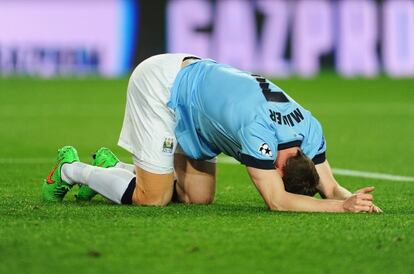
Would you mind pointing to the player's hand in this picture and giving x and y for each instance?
(361, 201)
(376, 209)
(369, 189)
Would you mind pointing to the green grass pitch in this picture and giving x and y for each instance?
(369, 125)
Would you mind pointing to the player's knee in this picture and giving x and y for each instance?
(150, 202)
(142, 198)
(195, 199)
(155, 203)
(201, 199)
(201, 193)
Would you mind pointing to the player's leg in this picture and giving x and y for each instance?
(196, 180)
(147, 132)
(105, 158)
(152, 188)
(147, 188)
(112, 183)
(148, 128)
(129, 167)
(120, 185)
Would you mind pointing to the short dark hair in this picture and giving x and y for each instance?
(300, 175)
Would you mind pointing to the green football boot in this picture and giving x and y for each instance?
(54, 189)
(103, 157)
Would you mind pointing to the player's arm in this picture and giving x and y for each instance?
(329, 188)
(271, 188)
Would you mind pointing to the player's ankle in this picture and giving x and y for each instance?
(65, 173)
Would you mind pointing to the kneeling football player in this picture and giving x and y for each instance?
(181, 112)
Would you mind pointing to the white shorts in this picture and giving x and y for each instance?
(148, 128)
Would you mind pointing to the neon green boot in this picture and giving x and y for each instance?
(54, 189)
(103, 157)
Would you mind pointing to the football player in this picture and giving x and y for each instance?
(181, 112)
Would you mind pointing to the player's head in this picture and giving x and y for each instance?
(300, 175)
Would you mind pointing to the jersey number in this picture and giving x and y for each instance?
(272, 96)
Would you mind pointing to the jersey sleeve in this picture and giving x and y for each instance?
(258, 147)
(317, 143)
(320, 156)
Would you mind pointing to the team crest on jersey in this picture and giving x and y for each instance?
(168, 145)
(265, 150)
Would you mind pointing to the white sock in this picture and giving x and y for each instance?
(109, 182)
(129, 167)
(72, 173)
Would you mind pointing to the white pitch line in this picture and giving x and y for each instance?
(372, 175)
(229, 160)
(23, 161)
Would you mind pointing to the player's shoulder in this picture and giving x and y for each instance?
(258, 145)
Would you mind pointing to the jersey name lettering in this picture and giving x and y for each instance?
(290, 119)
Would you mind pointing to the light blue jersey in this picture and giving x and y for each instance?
(222, 109)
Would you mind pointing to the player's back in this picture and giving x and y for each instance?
(222, 109)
